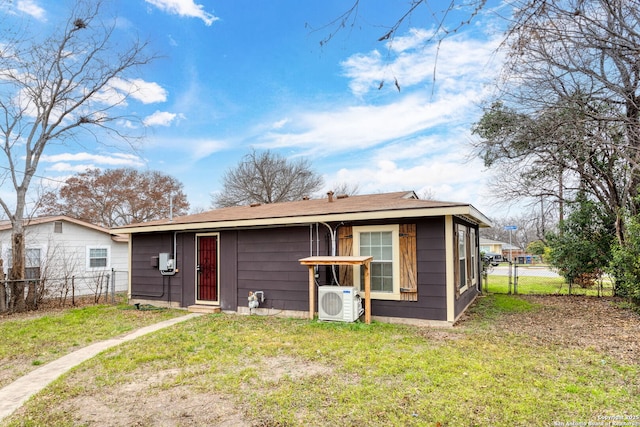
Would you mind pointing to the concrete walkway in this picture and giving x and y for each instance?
(19, 391)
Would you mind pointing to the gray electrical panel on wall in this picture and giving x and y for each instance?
(165, 262)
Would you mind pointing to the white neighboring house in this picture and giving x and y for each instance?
(70, 255)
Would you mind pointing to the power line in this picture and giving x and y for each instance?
(34, 175)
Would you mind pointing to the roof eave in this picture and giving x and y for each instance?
(460, 210)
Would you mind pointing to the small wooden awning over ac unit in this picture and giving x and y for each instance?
(364, 261)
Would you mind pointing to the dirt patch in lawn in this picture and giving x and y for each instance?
(577, 322)
(275, 368)
(144, 401)
(159, 399)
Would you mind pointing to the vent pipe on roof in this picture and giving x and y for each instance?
(330, 195)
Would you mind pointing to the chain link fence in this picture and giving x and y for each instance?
(101, 287)
(540, 279)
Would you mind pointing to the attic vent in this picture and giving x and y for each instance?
(342, 196)
(253, 205)
(57, 226)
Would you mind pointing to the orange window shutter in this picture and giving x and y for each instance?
(408, 263)
(345, 248)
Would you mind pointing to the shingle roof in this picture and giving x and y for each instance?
(392, 205)
(6, 225)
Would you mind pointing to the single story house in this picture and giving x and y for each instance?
(425, 267)
(491, 248)
(503, 251)
(70, 255)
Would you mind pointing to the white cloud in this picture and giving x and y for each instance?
(145, 92)
(184, 8)
(69, 168)
(416, 38)
(449, 176)
(417, 60)
(112, 159)
(280, 124)
(204, 148)
(31, 8)
(160, 118)
(361, 127)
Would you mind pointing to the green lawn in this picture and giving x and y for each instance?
(291, 372)
(38, 339)
(531, 285)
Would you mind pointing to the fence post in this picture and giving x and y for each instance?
(510, 277)
(113, 286)
(515, 279)
(485, 279)
(106, 288)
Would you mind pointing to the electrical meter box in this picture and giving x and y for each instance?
(165, 262)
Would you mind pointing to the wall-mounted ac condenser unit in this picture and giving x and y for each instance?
(340, 303)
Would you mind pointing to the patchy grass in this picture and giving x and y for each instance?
(535, 285)
(488, 308)
(270, 371)
(31, 341)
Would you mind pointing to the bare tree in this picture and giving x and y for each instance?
(3, 289)
(52, 90)
(346, 188)
(60, 267)
(267, 177)
(571, 91)
(443, 19)
(529, 229)
(117, 197)
(427, 194)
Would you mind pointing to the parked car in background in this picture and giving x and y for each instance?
(492, 259)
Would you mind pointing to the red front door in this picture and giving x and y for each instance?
(207, 269)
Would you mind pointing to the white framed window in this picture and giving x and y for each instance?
(98, 257)
(383, 243)
(462, 258)
(474, 260)
(467, 257)
(33, 260)
(32, 264)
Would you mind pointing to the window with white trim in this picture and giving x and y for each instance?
(98, 257)
(467, 257)
(32, 263)
(381, 242)
(462, 257)
(474, 261)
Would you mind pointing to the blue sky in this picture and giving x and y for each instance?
(246, 73)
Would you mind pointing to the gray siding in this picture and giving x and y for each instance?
(267, 260)
(228, 269)
(146, 281)
(432, 297)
